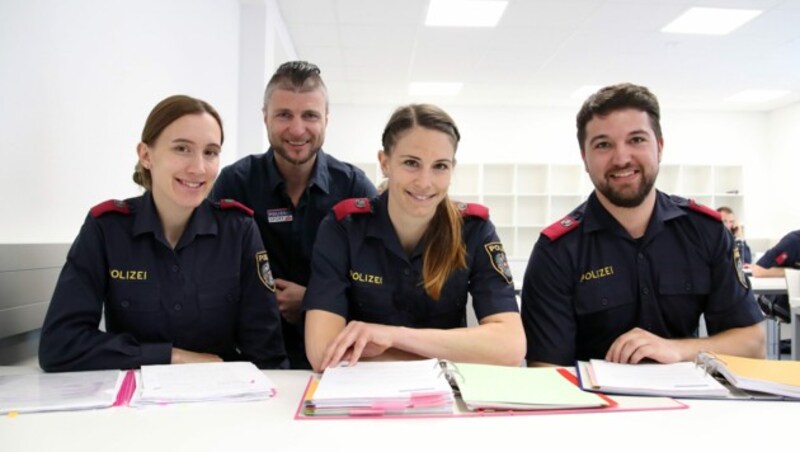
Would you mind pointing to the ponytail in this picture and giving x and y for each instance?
(444, 248)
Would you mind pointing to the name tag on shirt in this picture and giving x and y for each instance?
(282, 215)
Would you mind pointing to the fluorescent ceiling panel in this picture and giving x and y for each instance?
(710, 21)
(754, 96)
(435, 88)
(464, 13)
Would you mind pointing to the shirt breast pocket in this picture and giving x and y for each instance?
(684, 283)
(219, 293)
(134, 296)
(372, 303)
(604, 301)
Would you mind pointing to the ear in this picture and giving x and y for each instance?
(144, 153)
(383, 158)
(660, 148)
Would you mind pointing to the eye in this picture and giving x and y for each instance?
(411, 163)
(182, 148)
(283, 115)
(212, 152)
(601, 145)
(441, 166)
(311, 116)
(638, 139)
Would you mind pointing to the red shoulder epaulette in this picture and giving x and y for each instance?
(469, 209)
(705, 210)
(225, 204)
(351, 206)
(112, 205)
(560, 227)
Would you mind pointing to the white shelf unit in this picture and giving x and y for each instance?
(525, 198)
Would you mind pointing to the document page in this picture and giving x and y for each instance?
(59, 391)
(676, 380)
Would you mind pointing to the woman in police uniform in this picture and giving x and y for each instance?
(390, 275)
(178, 277)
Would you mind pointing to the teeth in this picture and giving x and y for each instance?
(625, 174)
(192, 184)
(420, 197)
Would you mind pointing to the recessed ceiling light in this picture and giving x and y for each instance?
(753, 96)
(434, 88)
(710, 21)
(465, 13)
(585, 91)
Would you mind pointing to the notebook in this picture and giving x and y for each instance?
(65, 391)
(490, 387)
(780, 378)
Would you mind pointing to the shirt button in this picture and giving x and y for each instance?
(125, 303)
(688, 287)
(604, 301)
(175, 268)
(177, 306)
(406, 272)
(645, 290)
(640, 256)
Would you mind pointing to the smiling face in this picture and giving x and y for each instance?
(183, 162)
(418, 169)
(622, 154)
(296, 124)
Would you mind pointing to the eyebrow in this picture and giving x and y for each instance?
(188, 141)
(414, 157)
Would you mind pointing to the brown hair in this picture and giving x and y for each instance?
(444, 247)
(297, 76)
(619, 97)
(725, 209)
(165, 113)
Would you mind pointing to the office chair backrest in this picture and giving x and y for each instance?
(793, 286)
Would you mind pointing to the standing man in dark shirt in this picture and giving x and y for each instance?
(292, 187)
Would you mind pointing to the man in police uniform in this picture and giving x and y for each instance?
(628, 273)
(292, 187)
(786, 254)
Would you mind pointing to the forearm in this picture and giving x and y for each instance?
(322, 327)
(761, 272)
(747, 341)
(500, 339)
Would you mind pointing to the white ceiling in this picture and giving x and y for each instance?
(543, 50)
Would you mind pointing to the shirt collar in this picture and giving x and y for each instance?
(597, 217)
(320, 177)
(381, 226)
(201, 222)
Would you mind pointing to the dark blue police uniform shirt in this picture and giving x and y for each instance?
(785, 254)
(289, 231)
(586, 288)
(361, 272)
(205, 296)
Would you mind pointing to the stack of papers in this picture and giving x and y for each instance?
(772, 377)
(59, 391)
(682, 379)
(488, 387)
(379, 388)
(201, 382)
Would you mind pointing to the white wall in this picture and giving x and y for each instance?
(77, 81)
(780, 177)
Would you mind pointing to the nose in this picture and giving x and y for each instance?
(424, 178)
(196, 164)
(621, 155)
(297, 126)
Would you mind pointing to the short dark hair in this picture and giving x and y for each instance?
(619, 97)
(161, 116)
(724, 209)
(297, 76)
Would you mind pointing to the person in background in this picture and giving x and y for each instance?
(729, 220)
(627, 274)
(391, 274)
(180, 279)
(292, 187)
(786, 254)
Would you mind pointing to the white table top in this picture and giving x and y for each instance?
(768, 286)
(270, 425)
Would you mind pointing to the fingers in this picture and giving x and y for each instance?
(340, 345)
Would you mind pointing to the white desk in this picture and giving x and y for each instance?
(768, 286)
(271, 426)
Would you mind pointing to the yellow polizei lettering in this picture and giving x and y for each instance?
(598, 273)
(366, 278)
(128, 275)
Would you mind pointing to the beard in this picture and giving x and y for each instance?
(629, 197)
(295, 161)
